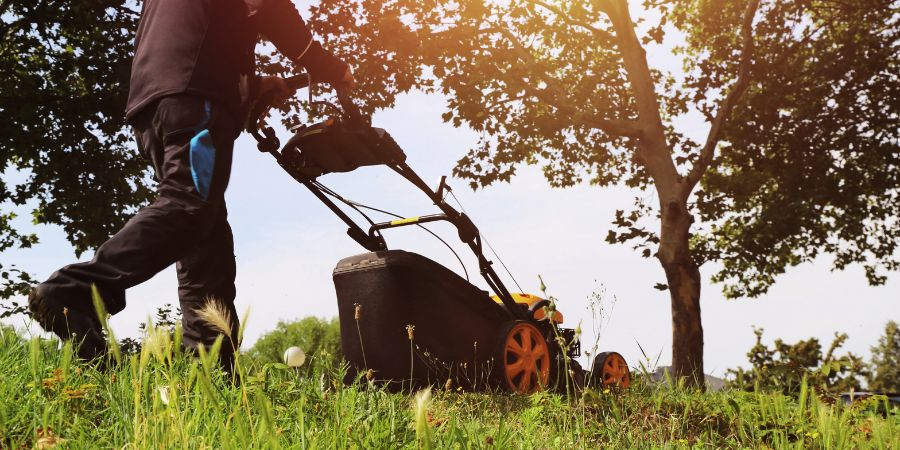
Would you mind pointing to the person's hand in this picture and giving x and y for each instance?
(326, 67)
(274, 89)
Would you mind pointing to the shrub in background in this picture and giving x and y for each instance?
(319, 339)
(167, 316)
(783, 367)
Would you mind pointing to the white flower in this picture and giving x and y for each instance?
(294, 357)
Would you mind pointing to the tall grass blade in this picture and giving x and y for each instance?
(423, 432)
(100, 307)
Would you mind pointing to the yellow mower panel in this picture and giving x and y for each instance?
(528, 300)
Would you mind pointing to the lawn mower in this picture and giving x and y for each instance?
(405, 320)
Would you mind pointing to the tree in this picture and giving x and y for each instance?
(818, 139)
(800, 97)
(319, 338)
(64, 69)
(885, 366)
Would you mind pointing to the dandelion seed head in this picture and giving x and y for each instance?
(294, 357)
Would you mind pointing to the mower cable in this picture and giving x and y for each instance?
(341, 199)
(356, 205)
(486, 241)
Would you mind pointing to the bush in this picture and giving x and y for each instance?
(783, 368)
(319, 339)
(167, 316)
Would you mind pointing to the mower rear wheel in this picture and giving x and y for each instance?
(611, 370)
(524, 358)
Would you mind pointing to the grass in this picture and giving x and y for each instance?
(163, 398)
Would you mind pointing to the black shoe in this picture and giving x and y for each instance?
(78, 324)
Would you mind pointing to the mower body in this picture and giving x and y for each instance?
(411, 320)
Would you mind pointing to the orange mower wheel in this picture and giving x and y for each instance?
(611, 370)
(524, 359)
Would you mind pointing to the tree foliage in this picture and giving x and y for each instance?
(320, 339)
(64, 146)
(884, 372)
(810, 163)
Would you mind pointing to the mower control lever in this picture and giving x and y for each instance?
(468, 232)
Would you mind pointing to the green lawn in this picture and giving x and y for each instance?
(162, 399)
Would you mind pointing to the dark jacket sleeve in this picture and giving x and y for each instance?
(281, 23)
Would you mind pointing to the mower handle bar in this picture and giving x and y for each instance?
(375, 228)
(467, 230)
(265, 135)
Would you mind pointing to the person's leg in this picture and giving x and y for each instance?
(190, 145)
(206, 275)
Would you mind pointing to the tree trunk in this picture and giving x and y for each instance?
(683, 277)
(654, 153)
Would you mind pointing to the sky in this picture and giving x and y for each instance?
(287, 244)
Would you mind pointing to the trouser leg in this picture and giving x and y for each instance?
(206, 274)
(146, 245)
(189, 143)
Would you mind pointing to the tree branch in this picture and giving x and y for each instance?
(737, 90)
(128, 11)
(613, 127)
(653, 150)
(574, 22)
(622, 128)
(556, 97)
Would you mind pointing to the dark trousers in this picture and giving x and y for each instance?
(189, 142)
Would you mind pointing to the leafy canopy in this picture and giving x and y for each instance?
(65, 69)
(64, 147)
(810, 164)
(543, 82)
